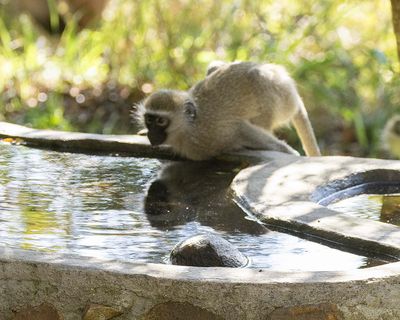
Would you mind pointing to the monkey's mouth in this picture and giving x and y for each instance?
(157, 138)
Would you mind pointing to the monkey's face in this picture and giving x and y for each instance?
(157, 126)
(166, 115)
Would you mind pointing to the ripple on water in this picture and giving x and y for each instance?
(107, 207)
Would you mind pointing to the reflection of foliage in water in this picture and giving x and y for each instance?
(379, 207)
(391, 209)
(43, 194)
(341, 53)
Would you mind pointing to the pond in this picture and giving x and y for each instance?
(135, 209)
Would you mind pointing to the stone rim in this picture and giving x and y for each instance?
(139, 146)
(379, 181)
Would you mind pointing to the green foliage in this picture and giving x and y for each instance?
(342, 55)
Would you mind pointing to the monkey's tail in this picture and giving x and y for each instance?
(304, 129)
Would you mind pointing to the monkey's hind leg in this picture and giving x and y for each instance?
(256, 138)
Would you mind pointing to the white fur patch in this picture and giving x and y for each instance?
(137, 113)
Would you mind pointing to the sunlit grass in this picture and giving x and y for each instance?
(342, 54)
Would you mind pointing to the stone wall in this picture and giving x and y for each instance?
(40, 286)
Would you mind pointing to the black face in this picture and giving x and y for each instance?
(157, 126)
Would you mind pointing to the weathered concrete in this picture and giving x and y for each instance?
(71, 284)
(283, 191)
(127, 145)
(279, 189)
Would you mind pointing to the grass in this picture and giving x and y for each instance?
(342, 55)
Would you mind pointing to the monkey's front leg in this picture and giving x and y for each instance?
(253, 137)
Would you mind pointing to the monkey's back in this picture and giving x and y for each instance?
(261, 93)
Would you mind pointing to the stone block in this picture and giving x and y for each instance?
(44, 311)
(179, 311)
(324, 311)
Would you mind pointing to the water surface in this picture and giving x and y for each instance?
(136, 210)
(378, 207)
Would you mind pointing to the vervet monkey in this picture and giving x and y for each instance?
(237, 105)
(391, 136)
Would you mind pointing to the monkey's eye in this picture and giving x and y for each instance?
(190, 110)
(162, 122)
(148, 119)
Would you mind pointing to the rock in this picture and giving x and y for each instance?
(323, 311)
(100, 312)
(179, 311)
(43, 312)
(207, 251)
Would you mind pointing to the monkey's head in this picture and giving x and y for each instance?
(167, 113)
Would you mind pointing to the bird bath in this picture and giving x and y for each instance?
(100, 199)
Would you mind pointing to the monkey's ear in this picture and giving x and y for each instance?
(211, 70)
(137, 113)
(214, 66)
(190, 110)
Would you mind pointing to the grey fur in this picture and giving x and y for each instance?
(238, 105)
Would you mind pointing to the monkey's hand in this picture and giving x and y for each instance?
(142, 132)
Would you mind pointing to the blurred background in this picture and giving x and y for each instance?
(80, 65)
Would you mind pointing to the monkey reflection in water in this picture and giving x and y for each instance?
(188, 191)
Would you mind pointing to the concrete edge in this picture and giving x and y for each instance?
(78, 142)
(194, 274)
(293, 181)
(107, 144)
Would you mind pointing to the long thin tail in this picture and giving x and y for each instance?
(305, 131)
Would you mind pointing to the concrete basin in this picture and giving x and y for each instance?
(280, 190)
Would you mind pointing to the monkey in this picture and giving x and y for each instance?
(236, 106)
(391, 136)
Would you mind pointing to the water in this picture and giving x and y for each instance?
(132, 210)
(378, 207)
